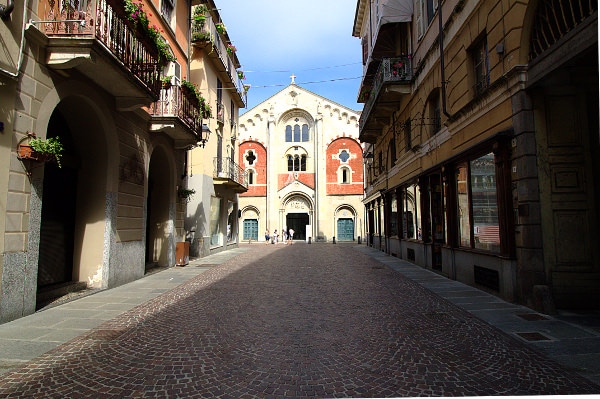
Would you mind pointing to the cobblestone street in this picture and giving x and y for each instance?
(294, 321)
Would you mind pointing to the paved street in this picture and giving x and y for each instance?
(316, 320)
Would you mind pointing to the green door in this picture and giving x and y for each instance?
(345, 228)
(251, 229)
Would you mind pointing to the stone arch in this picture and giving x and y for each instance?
(92, 154)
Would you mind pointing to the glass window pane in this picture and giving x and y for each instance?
(485, 204)
(304, 132)
(296, 133)
(288, 133)
(394, 216)
(462, 200)
(215, 226)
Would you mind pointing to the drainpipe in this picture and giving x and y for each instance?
(5, 11)
(442, 64)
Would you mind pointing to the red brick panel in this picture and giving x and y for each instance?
(355, 163)
(259, 188)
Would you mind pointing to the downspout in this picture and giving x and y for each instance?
(442, 63)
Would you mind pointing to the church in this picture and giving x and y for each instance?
(304, 167)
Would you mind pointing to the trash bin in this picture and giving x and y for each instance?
(182, 253)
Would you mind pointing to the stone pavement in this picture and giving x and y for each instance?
(317, 320)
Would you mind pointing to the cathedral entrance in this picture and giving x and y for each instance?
(298, 222)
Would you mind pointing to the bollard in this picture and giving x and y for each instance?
(334, 240)
(358, 240)
(309, 239)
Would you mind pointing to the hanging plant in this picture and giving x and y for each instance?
(186, 194)
(220, 28)
(42, 150)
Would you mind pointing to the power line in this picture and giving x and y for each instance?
(308, 69)
(304, 83)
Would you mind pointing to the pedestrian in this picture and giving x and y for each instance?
(267, 236)
(291, 236)
(274, 237)
(285, 235)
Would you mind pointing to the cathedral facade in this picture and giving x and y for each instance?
(304, 167)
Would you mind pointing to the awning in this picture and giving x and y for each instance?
(391, 11)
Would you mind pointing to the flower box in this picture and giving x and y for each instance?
(26, 152)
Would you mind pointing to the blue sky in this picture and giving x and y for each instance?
(311, 39)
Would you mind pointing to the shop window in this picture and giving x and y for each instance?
(394, 215)
(411, 213)
(477, 203)
(215, 226)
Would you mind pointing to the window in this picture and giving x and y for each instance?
(394, 215)
(166, 9)
(411, 225)
(424, 13)
(434, 113)
(478, 225)
(250, 174)
(481, 65)
(215, 226)
(407, 134)
(345, 175)
(250, 158)
(344, 156)
(296, 163)
(296, 133)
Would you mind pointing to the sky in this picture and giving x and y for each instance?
(311, 39)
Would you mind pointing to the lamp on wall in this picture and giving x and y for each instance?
(368, 158)
(205, 134)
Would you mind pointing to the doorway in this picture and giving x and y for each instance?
(298, 222)
(345, 229)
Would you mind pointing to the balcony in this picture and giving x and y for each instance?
(392, 81)
(207, 36)
(229, 174)
(98, 40)
(178, 114)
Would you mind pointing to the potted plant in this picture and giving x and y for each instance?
(167, 82)
(186, 194)
(42, 150)
(221, 28)
(231, 49)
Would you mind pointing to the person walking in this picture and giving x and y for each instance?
(291, 236)
(267, 236)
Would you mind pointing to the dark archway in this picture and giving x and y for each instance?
(157, 219)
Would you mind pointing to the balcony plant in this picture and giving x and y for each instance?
(199, 17)
(42, 150)
(241, 75)
(167, 82)
(220, 26)
(138, 18)
(231, 49)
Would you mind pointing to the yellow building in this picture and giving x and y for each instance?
(212, 171)
(481, 119)
(110, 80)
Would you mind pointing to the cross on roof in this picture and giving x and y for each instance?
(293, 79)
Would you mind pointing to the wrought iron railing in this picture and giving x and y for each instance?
(225, 168)
(176, 102)
(107, 22)
(390, 70)
(207, 33)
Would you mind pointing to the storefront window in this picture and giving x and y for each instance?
(486, 231)
(412, 211)
(394, 216)
(462, 193)
(215, 226)
(477, 202)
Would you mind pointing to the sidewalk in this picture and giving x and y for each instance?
(568, 339)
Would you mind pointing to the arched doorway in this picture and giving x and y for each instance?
(345, 224)
(73, 202)
(297, 215)
(158, 221)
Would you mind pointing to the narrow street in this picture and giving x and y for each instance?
(299, 321)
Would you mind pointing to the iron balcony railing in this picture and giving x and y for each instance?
(176, 102)
(225, 168)
(391, 70)
(107, 22)
(207, 33)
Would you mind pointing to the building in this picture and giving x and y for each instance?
(304, 167)
(112, 82)
(481, 124)
(213, 174)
